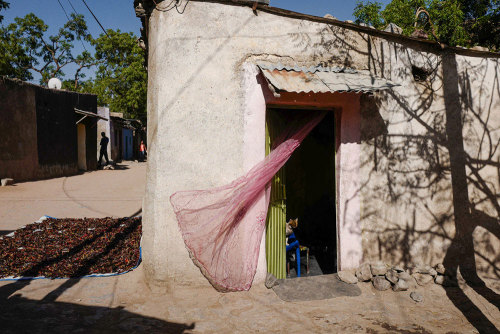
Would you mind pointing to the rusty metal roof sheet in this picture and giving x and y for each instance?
(318, 79)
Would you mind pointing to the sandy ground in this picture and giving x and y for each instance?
(96, 194)
(126, 304)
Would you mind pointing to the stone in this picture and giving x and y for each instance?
(422, 279)
(7, 182)
(398, 269)
(401, 285)
(415, 269)
(380, 283)
(419, 33)
(410, 280)
(405, 276)
(330, 16)
(392, 276)
(428, 270)
(348, 21)
(479, 48)
(433, 272)
(439, 268)
(271, 281)
(378, 268)
(391, 27)
(364, 272)
(347, 277)
(416, 296)
(439, 279)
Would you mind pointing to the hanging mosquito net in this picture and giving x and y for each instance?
(221, 228)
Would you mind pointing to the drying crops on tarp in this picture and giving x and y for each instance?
(57, 248)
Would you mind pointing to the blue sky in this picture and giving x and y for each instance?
(119, 14)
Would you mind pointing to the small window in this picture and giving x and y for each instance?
(419, 74)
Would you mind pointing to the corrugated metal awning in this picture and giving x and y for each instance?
(318, 79)
(88, 114)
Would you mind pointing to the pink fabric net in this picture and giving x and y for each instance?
(222, 227)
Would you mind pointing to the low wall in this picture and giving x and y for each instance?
(18, 135)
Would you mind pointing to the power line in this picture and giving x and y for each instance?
(95, 18)
(74, 11)
(64, 10)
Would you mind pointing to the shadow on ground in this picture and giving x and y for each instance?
(47, 315)
(314, 288)
(22, 315)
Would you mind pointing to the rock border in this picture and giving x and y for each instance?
(383, 277)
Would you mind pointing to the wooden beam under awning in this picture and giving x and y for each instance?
(88, 114)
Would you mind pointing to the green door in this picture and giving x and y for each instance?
(276, 216)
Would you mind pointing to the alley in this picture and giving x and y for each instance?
(101, 193)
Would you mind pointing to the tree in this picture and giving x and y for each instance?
(84, 60)
(369, 13)
(453, 22)
(121, 79)
(3, 5)
(28, 49)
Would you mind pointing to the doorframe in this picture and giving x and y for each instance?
(336, 142)
(81, 148)
(257, 99)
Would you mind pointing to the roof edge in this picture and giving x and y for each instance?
(19, 82)
(430, 46)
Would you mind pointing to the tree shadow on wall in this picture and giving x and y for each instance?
(425, 159)
(439, 154)
(438, 150)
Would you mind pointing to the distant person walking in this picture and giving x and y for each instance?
(142, 151)
(104, 148)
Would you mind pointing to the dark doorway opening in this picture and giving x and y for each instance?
(310, 186)
(309, 195)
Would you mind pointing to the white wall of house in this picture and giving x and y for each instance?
(103, 126)
(206, 113)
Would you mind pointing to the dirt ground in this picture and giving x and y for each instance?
(97, 194)
(126, 304)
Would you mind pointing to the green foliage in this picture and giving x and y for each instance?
(369, 13)
(402, 13)
(3, 5)
(27, 48)
(483, 22)
(448, 22)
(454, 22)
(121, 79)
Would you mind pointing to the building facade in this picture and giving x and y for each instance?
(411, 159)
(42, 136)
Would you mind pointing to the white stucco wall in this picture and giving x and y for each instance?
(206, 114)
(103, 126)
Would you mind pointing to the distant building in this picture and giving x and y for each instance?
(45, 132)
(103, 126)
(125, 135)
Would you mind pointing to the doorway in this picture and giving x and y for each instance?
(305, 189)
(82, 148)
